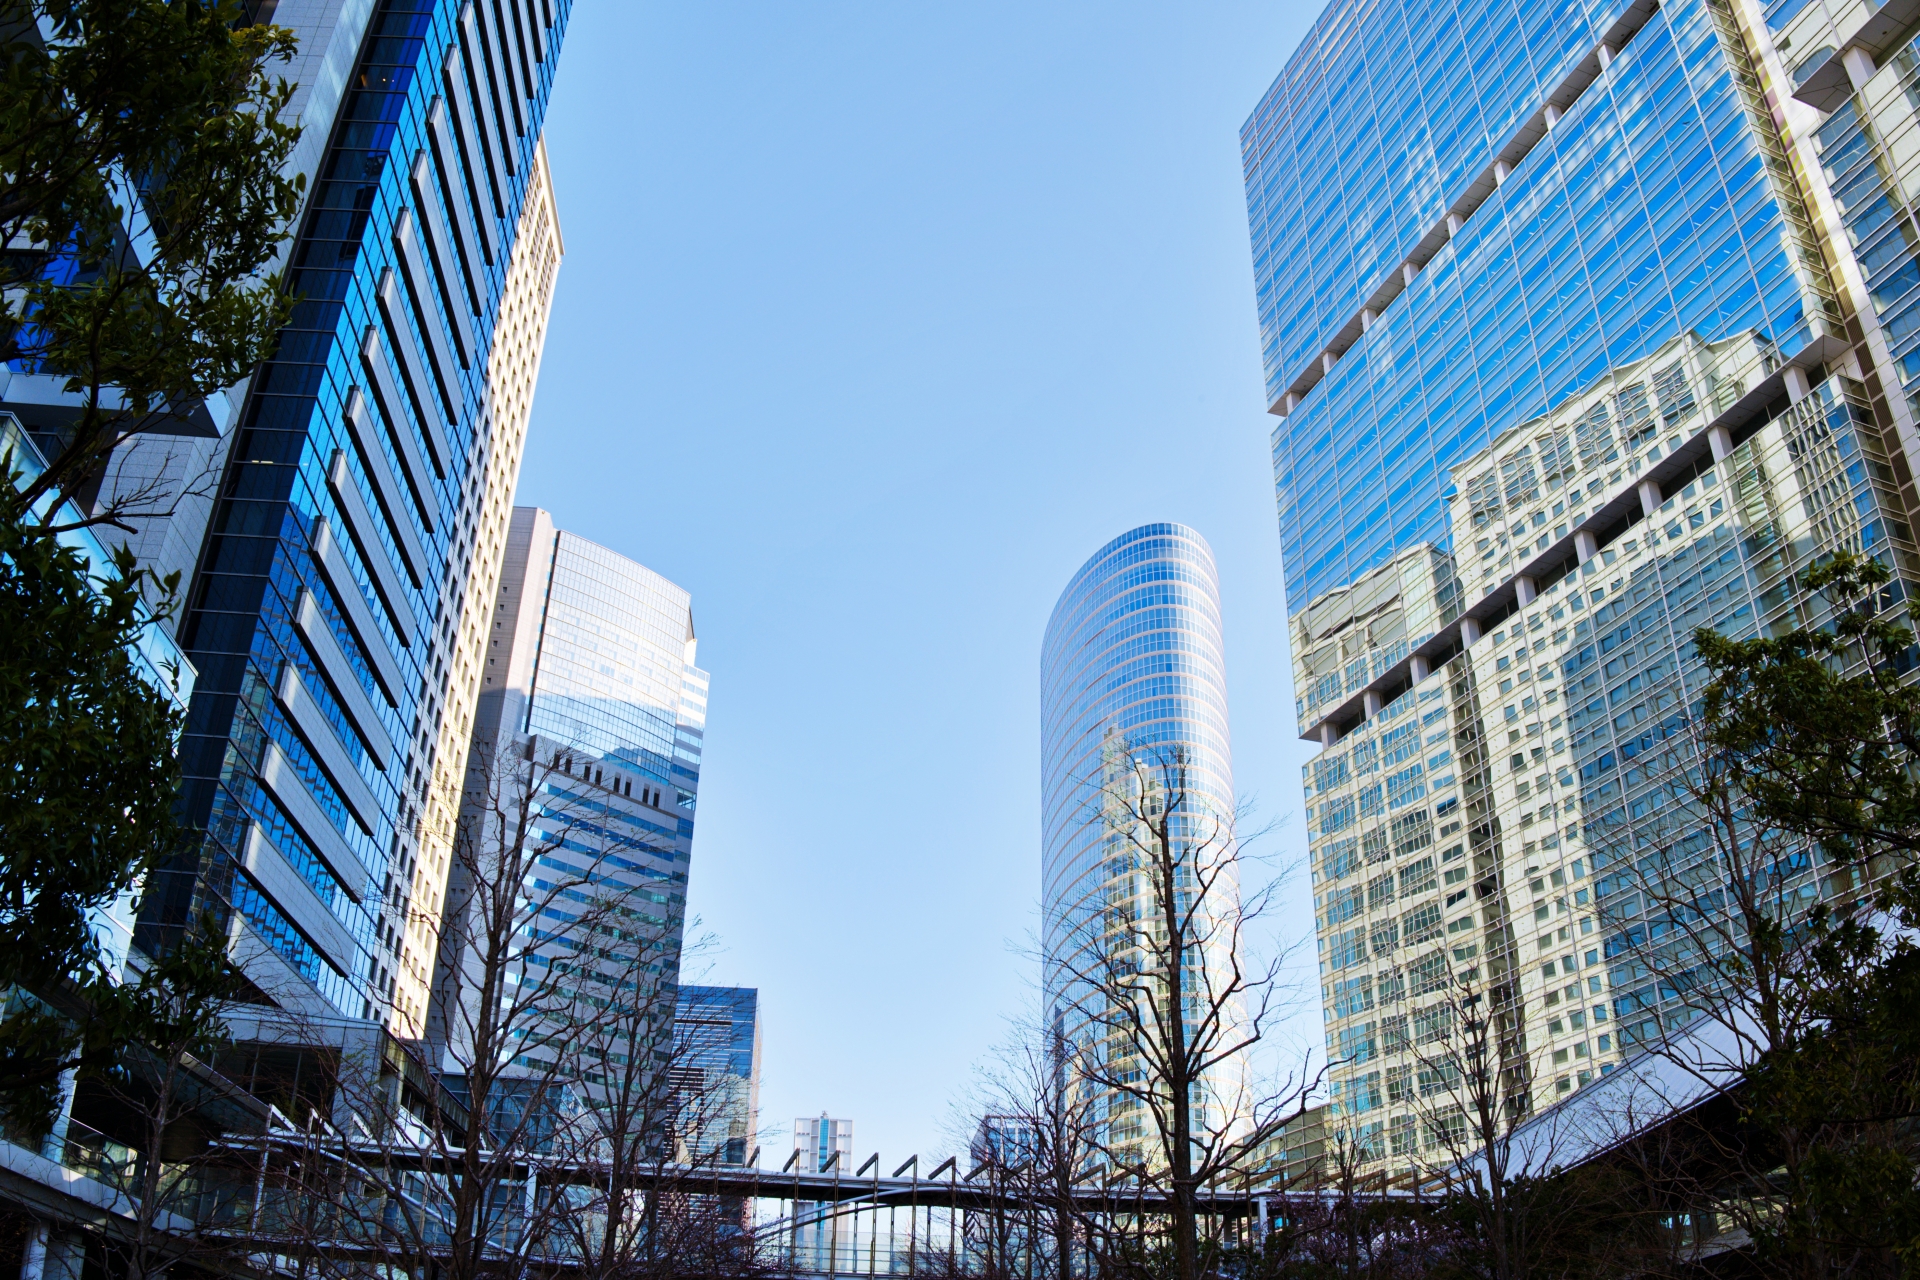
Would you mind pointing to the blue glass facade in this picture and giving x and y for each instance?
(1564, 372)
(589, 722)
(592, 658)
(716, 1048)
(1650, 210)
(333, 570)
(1132, 661)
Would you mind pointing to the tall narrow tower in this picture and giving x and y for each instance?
(591, 697)
(360, 509)
(1131, 668)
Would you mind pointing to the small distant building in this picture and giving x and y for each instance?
(716, 1063)
(1006, 1141)
(820, 1241)
(819, 1140)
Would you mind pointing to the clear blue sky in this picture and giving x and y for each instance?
(876, 321)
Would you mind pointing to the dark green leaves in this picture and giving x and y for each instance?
(143, 156)
(88, 787)
(1817, 727)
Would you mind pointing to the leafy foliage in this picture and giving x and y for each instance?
(88, 784)
(1816, 733)
(1819, 725)
(144, 160)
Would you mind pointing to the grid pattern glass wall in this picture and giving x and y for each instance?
(1653, 208)
(590, 673)
(716, 1052)
(1132, 662)
(512, 372)
(1604, 397)
(615, 673)
(1865, 140)
(322, 611)
(615, 685)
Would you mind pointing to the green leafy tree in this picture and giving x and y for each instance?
(88, 786)
(144, 197)
(1813, 742)
(1820, 727)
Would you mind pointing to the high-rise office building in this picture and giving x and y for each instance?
(716, 1057)
(170, 472)
(339, 601)
(590, 685)
(1583, 332)
(1007, 1141)
(1131, 667)
(817, 1140)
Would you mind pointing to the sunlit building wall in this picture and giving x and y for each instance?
(1583, 333)
(1132, 665)
(592, 712)
(357, 506)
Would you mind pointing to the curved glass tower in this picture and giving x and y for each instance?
(1132, 663)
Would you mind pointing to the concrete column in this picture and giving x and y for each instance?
(1720, 440)
(1326, 362)
(1373, 703)
(1553, 115)
(1650, 498)
(1407, 272)
(1523, 590)
(1797, 386)
(1329, 733)
(1293, 401)
(1585, 545)
(1606, 56)
(1419, 668)
(1366, 319)
(33, 1263)
(1469, 631)
(1454, 223)
(1860, 68)
(1500, 171)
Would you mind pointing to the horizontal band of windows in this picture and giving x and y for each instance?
(1508, 158)
(1609, 522)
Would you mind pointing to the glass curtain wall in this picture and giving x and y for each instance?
(1131, 667)
(1562, 373)
(321, 614)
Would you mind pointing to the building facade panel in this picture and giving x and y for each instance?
(1132, 667)
(1656, 205)
(1645, 381)
(591, 713)
(301, 528)
(716, 1051)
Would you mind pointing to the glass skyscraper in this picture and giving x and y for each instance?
(339, 606)
(592, 714)
(1583, 332)
(1131, 665)
(822, 1239)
